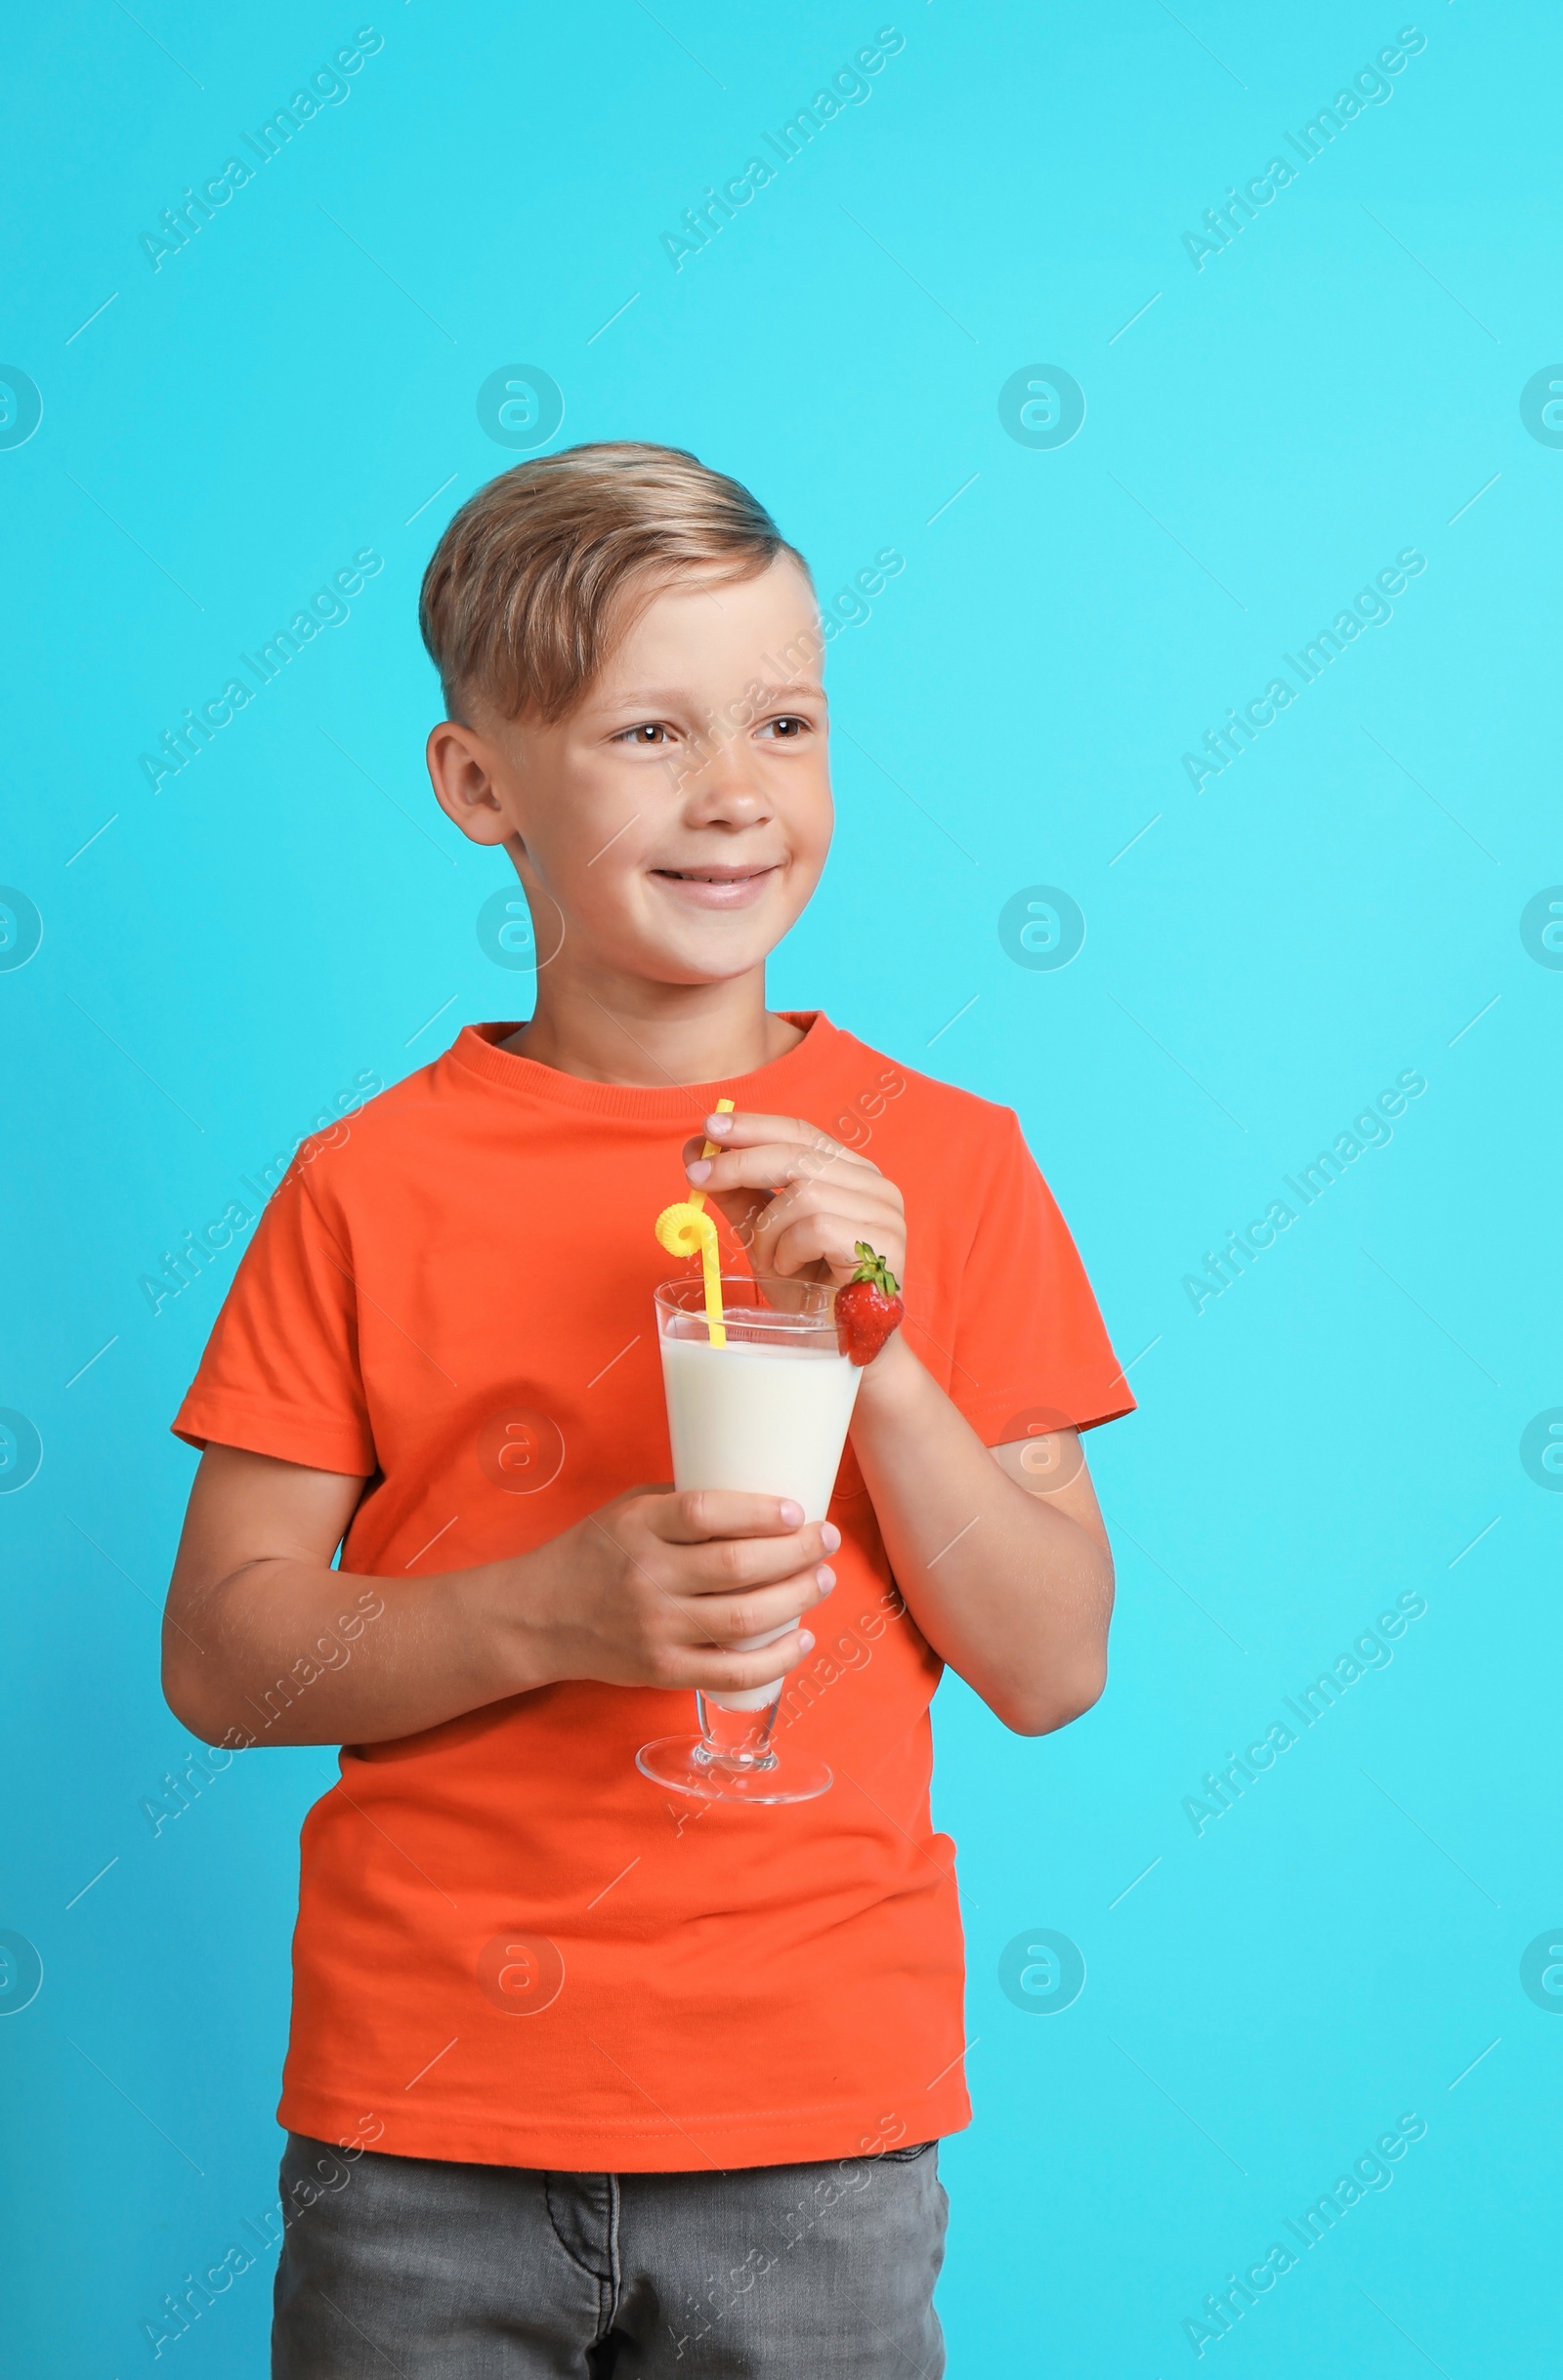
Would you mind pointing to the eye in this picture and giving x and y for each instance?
(787, 730)
(646, 735)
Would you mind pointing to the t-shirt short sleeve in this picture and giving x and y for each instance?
(1032, 1351)
(280, 1374)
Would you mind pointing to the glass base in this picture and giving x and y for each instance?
(689, 1764)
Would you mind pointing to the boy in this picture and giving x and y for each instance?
(622, 2085)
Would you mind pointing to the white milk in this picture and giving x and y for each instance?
(768, 1420)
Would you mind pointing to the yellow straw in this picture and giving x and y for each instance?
(685, 1227)
(681, 1228)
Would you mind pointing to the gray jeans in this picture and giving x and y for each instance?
(410, 2267)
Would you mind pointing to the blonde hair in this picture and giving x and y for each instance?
(544, 570)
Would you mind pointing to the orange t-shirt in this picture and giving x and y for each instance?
(512, 1948)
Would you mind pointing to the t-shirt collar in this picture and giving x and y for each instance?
(776, 1087)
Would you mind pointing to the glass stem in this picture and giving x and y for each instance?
(737, 1738)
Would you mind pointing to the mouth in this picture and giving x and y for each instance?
(717, 887)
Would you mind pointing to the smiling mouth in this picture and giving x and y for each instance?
(716, 874)
(718, 887)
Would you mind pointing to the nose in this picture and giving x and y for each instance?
(722, 781)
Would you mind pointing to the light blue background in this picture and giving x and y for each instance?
(1334, 1430)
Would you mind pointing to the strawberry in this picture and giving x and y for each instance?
(867, 1307)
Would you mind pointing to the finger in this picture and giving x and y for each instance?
(780, 1132)
(738, 1673)
(869, 1211)
(733, 1565)
(775, 1165)
(727, 1619)
(861, 1190)
(743, 1210)
(746, 1130)
(822, 1239)
(693, 1516)
(840, 1206)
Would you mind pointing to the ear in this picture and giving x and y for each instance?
(464, 768)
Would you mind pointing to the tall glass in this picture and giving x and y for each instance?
(766, 1414)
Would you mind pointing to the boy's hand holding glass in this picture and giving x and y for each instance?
(656, 1589)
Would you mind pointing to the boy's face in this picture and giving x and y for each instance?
(678, 820)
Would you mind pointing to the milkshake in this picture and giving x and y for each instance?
(767, 1413)
(762, 1409)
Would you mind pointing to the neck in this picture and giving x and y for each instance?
(619, 1029)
